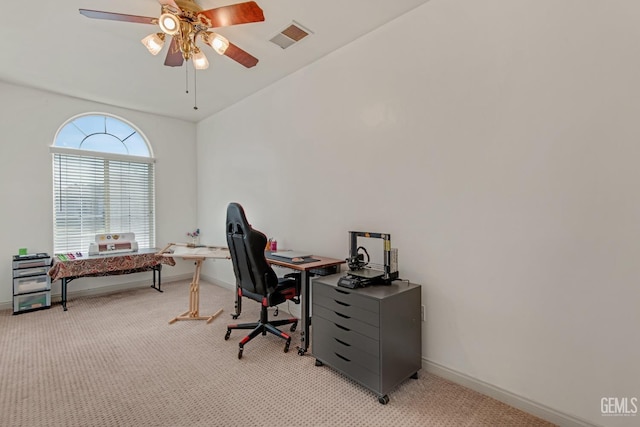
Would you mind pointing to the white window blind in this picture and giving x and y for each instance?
(101, 194)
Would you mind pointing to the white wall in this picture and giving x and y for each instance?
(497, 142)
(29, 120)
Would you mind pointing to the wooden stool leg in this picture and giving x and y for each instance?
(194, 300)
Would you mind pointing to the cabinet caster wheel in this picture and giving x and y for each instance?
(301, 352)
(240, 354)
(227, 335)
(234, 316)
(293, 327)
(319, 363)
(383, 399)
(414, 376)
(286, 346)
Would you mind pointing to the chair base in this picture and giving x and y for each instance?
(261, 328)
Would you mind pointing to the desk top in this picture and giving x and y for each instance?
(186, 251)
(319, 262)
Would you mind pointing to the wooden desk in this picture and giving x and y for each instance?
(306, 270)
(198, 254)
(108, 265)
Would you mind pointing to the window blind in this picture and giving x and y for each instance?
(95, 194)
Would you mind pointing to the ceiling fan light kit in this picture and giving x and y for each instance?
(200, 61)
(169, 23)
(219, 43)
(154, 42)
(186, 23)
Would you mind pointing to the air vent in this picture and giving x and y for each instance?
(290, 35)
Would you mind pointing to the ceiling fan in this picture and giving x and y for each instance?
(185, 23)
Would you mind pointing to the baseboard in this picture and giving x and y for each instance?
(102, 290)
(118, 287)
(511, 399)
(524, 404)
(213, 281)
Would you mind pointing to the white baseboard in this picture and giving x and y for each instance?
(537, 409)
(217, 282)
(118, 287)
(101, 290)
(505, 396)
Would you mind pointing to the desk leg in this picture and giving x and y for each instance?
(306, 318)
(157, 268)
(64, 293)
(194, 300)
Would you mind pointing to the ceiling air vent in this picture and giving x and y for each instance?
(290, 35)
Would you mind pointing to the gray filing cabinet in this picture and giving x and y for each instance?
(31, 283)
(372, 335)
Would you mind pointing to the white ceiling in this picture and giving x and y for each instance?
(49, 45)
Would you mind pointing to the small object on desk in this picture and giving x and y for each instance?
(22, 251)
(297, 259)
(62, 257)
(274, 245)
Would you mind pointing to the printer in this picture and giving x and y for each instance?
(361, 273)
(113, 243)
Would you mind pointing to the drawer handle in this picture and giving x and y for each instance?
(342, 357)
(342, 303)
(342, 342)
(342, 327)
(342, 315)
(340, 291)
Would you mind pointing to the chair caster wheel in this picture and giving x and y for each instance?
(319, 363)
(286, 346)
(227, 335)
(301, 352)
(383, 399)
(293, 327)
(240, 354)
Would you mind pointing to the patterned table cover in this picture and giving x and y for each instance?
(109, 264)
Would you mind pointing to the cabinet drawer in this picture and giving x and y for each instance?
(30, 263)
(31, 284)
(347, 349)
(322, 327)
(31, 271)
(31, 301)
(338, 305)
(350, 368)
(345, 296)
(346, 322)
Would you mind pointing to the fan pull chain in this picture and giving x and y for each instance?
(195, 89)
(186, 77)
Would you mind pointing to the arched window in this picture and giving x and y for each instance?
(103, 182)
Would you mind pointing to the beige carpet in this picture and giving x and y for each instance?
(114, 360)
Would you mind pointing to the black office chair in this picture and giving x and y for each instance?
(255, 279)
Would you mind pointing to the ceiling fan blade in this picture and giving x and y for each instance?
(98, 14)
(174, 56)
(241, 13)
(240, 56)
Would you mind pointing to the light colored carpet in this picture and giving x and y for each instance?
(113, 360)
